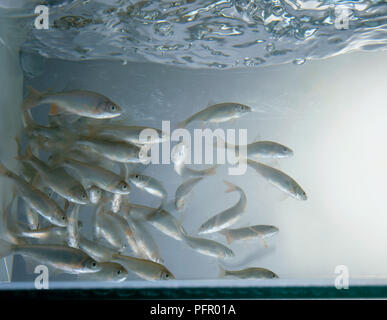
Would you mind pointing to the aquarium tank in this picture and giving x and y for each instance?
(191, 148)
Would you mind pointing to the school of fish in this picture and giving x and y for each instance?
(93, 161)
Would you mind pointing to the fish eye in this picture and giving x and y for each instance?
(119, 272)
(113, 107)
(137, 176)
(63, 218)
(93, 264)
(166, 276)
(124, 187)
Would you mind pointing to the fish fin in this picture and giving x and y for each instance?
(222, 272)
(226, 235)
(4, 171)
(181, 124)
(33, 98)
(35, 180)
(27, 156)
(54, 110)
(230, 187)
(30, 265)
(5, 248)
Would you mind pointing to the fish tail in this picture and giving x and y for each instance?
(5, 248)
(4, 171)
(222, 272)
(230, 187)
(227, 236)
(27, 156)
(33, 98)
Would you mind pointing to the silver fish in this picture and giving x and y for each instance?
(83, 103)
(146, 269)
(96, 250)
(258, 231)
(217, 113)
(144, 240)
(102, 178)
(208, 247)
(110, 271)
(228, 217)
(118, 151)
(261, 149)
(36, 199)
(58, 180)
(72, 226)
(160, 219)
(279, 179)
(149, 184)
(183, 191)
(249, 273)
(64, 258)
(130, 134)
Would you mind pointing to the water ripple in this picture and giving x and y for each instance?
(211, 34)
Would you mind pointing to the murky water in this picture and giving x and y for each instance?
(164, 60)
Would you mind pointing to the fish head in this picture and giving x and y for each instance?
(109, 109)
(116, 271)
(79, 195)
(282, 151)
(165, 274)
(273, 275)
(228, 253)
(242, 109)
(60, 218)
(299, 193)
(95, 194)
(90, 265)
(138, 180)
(123, 187)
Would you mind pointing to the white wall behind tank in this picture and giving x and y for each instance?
(11, 90)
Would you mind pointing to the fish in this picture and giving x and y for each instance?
(160, 219)
(57, 179)
(260, 149)
(110, 271)
(218, 113)
(144, 240)
(64, 258)
(114, 229)
(252, 232)
(146, 269)
(50, 234)
(249, 273)
(80, 102)
(183, 191)
(149, 184)
(36, 199)
(72, 226)
(179, 155)
(227, 217)
(100, 177)
(107, 228)
(96, 250)
(131, 134)
(95, 194)
(279, 179)
(118, 151)
(207, 247)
